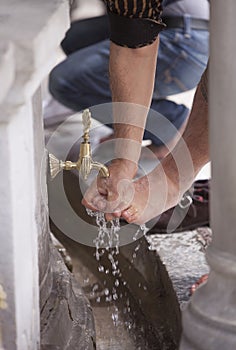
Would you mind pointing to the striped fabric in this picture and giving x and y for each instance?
(150, 9)
(134, 23)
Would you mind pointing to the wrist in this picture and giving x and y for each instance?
(125, 166)
(127, 151)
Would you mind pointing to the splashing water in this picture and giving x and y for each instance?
(107, 232)
(108, 239)
(142, 230)
(115, 317)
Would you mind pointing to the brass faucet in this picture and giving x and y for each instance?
(85, 162)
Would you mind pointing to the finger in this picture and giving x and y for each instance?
(95, 203)
(111, 216)
(116, 207)
(101, 185)
(123, 205)
(89, 205)
(119, 199)
(99, 202)
(109, 197)
(131, 214)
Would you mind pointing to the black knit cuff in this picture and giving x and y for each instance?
(133, 32)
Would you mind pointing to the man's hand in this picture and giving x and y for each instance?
(114, 194)
(136, 201)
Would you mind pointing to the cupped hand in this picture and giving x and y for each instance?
(114, 194)
(136, 201)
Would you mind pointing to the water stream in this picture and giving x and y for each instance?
(108, 239)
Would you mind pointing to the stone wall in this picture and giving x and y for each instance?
(30, 32)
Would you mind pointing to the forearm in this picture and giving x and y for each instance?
(132, 74)
(192, 151)
(196, 134)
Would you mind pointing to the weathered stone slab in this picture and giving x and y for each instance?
(7, 68)
(35, 29)
(66, 317)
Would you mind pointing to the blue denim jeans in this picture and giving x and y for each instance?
(82, 79)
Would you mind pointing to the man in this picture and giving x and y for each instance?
(82, 80)
(135, 26)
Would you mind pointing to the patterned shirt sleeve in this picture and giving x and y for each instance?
(134, 23)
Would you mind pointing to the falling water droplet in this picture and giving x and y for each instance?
(101, 268)
(117, 283)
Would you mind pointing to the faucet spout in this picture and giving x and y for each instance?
(103, 170)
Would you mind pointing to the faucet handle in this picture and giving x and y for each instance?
(55, 165)
(86, 117)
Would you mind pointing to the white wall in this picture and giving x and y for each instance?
(30, 32)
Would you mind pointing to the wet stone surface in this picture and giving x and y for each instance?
(184, 256)
(151, 320)
(131, 295)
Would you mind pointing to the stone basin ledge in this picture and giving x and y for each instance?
(34, 282)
